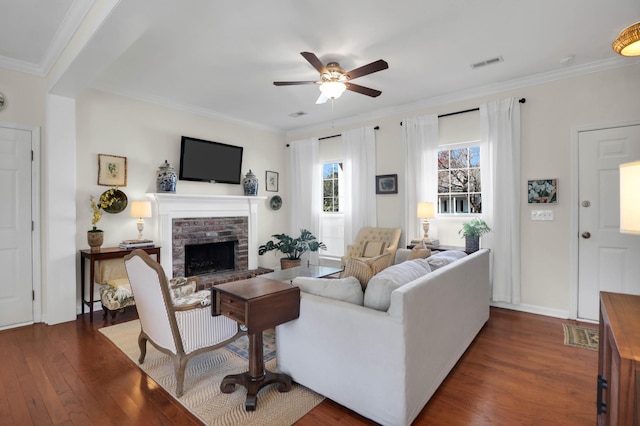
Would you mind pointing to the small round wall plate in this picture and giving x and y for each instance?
(275, 202)
(119, 202)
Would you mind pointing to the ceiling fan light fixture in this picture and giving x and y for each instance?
(333, 89)
(628, 42)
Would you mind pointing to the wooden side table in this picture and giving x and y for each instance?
(258, 303)
(103, 254)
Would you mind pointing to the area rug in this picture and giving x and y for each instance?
(203, 376)
(581, 337)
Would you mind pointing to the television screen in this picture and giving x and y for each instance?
(209, 161)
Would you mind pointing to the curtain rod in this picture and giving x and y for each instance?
(335, 136)
(521, 100)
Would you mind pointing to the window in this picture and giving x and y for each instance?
(331, 177)
(331, 217)
(459, 189)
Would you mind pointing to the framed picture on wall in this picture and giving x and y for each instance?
(112, 170)
(272, 181)
(387, 184)
(543, 191)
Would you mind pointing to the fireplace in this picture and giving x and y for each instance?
(209, 258)
(190, 219)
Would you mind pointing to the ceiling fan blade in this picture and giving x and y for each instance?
(314, 61)
(321, 99)
(292, 83)
(376, 66)
(363, 90)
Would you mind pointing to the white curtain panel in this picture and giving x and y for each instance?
(306, 188)
(359, 190)
(420, 141)
(500, 144)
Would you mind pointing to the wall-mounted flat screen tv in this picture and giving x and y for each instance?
(209, 161)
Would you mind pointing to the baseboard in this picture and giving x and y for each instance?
(532, 309)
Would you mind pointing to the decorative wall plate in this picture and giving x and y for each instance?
(275, 202)
(119, 203)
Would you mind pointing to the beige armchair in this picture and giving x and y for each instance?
(176, 320)
(371, 242)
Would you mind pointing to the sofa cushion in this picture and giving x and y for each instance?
(443, 258)
(346, 289)
(418, 253)
(378, 293)
(118, 282)
(374, 248)
(363, 269)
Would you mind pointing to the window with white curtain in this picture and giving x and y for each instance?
(331, 217)
(459, 183)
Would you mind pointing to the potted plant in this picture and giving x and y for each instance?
(293, 248)
(472, 231)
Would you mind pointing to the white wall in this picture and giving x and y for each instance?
(149, 134)
(550, 113)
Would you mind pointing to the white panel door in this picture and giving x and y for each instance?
(608, 260)
(16, 285)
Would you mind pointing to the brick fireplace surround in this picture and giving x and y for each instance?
(199, 219)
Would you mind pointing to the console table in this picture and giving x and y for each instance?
(103, 254)
(258, 303)
(619, 360)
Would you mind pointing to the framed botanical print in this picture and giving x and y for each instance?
(272, 181)
(112, 170)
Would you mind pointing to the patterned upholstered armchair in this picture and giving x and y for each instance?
(176, 320)
(372, 242)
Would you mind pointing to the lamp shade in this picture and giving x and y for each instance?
(630, 198)
(426, 210)
(628, 42)
(140, 209)
(332, 89)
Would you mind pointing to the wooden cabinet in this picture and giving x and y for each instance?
(619, 360)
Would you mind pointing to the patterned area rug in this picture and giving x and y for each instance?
(581, 337)
(203, 376)
(241, 346)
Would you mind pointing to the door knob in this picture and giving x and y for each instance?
(586, 203)
(586, 235)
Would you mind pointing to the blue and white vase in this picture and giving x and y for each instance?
(250, 184)
(166, 179)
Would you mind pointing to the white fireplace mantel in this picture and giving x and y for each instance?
(176, 206)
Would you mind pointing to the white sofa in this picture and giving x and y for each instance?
(387, 365)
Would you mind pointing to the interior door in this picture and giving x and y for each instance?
(16, 285)
(607, 259)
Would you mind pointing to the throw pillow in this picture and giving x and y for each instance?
(363, 269)
(373, 248)
(345, 289)
(419, 253)
(444, 258)
(379, 289)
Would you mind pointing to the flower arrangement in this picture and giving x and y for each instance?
(106, 200)
(97, 215)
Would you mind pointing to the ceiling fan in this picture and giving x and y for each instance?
(334, 80)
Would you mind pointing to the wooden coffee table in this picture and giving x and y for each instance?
(259, 304)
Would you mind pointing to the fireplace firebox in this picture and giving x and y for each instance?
(210, 258)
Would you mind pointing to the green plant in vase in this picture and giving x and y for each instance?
(292, 248)
(95, 236)
(472, 231)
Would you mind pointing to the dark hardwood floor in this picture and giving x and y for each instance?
(516, 372)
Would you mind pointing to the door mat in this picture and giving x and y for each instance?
(581, 337)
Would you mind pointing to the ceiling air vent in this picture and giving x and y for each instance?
(487, 62)
(297, 114)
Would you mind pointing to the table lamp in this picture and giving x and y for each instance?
(140, 209)
(426, 211)
(630, 198)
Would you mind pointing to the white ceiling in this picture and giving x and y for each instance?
(221, 57)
